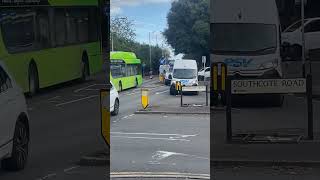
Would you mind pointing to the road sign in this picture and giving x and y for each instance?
(194, 88)
(204, 59)
(105, 115)
(144, 98)
(269, 86)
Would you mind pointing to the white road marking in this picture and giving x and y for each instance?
(48, 176)
(160, 155)
(150, 138)
(125, 117)
(89, 89)
(56, 97)
(78, 90)
(77, 100)
(155, 134)
(71, 168)
(162, 92)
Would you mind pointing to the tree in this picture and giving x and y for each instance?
(188, 28)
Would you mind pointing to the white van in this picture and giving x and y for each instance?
(246, 36)
(186, 72)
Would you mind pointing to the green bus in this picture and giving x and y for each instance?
(48, 42)
(125, 69)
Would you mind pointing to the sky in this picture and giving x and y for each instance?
(148, 16)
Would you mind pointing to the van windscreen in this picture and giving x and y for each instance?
(185, 73)
(248, 38)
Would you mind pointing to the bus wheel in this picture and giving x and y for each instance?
(136, 85)
(33, 80)
(85, 71)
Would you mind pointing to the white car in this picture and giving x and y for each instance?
(204, 74)
(14, 123)
(114, 100)
(292, 35)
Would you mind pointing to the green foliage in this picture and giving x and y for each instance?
(188, 28)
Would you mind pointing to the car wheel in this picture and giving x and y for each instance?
(33, 80)
(19, 155)
(116, 108)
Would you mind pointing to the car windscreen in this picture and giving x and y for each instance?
(294, 26)
(246, 38)
(185, 73)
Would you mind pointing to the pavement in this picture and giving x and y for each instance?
(291, 119)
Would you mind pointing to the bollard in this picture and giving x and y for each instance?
(144, 98)
(105, 115)
(178, 87)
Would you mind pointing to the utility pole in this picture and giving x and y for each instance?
(303, 39)
(112, 49)
(150, 55)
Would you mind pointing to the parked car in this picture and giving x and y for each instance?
(114, 100)
(204, 74)
(293, 37)
(14, 123)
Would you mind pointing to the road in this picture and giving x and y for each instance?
(158, 143)
(65, 125)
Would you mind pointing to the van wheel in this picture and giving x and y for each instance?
(33, 80)
(19, 155)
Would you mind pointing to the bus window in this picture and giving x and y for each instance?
(18, 29)
(60, 27)
(43, 33)
(71, 27)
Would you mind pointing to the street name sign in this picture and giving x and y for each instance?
(269, 86)
(194, 88)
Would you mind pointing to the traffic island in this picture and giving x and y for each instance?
(190, 109)
(99, 158)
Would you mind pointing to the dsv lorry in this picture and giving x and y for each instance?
(246, 36)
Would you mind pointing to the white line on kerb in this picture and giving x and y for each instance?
(77, 100)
